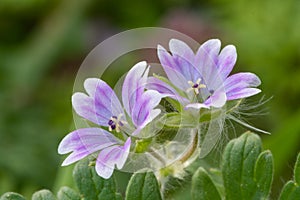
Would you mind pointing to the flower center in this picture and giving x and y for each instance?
(195, 86)
(115, 123)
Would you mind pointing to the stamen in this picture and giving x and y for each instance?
(115, 123)
(195, 86)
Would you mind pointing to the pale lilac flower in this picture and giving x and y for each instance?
(101, 106)
(202, 79)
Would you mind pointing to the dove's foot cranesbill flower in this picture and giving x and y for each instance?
(101, 106)
(201, 79)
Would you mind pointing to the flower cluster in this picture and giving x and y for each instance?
(197, 81)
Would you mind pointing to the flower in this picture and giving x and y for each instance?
(101, 106)
(201, 79)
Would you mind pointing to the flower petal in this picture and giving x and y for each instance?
(104, 96)
(165, 89)
(243, 93)
(100, 106)
(178, 47)
(111, 156)
(134, 85)
(178, 69)
(240, 85)
(141, 113)
(226, 61)
(83, 142)
(196, 106)
(85, 107)
(207, 53)
(217, 100)
(206, 62)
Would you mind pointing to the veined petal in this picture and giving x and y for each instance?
(134, 85)
(85, 107)
(153, 114)
(111, 156)
(207, 53)
(241, 81)
(206, 62)
(101, 104)
(83, 142)
(178, 47)
(217, 99)
(141, 113)
(104, 96)
(226, 61)
(196, 106)
(242, 93)
(165, 89)
(178, 69)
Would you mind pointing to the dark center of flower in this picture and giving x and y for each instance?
(195, 85)
(115, 123)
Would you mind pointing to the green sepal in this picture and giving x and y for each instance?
(66, 193)
(43, 195)
(91, 185)
(11, 196)
(203, 187)
(142, 145)
(291, 189)
(207, 115)
(177, 120)
(143, 186)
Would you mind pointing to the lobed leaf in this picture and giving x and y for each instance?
(11, 196)
(264, 169)
(143, 186)
(66, 193)
(247, 173)
(43, 195)
(203, 186)
(291, 189)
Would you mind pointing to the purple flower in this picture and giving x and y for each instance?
(101, 106)
(201, 79)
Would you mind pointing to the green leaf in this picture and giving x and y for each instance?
(66, 193)
(291, 189)
(143, 186)
(43, 195)
(11, 196)
(264, 169)
(203, 186)
(238, 167)
(297, 170)
(91, 185)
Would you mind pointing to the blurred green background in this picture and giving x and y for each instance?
(42, 44)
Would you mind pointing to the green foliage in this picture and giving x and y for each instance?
(11, 196)
(66, 193)
(143, 186)
(43, 195)
(91, 185)
(203, 186)
(247, 172)
(291, 190)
